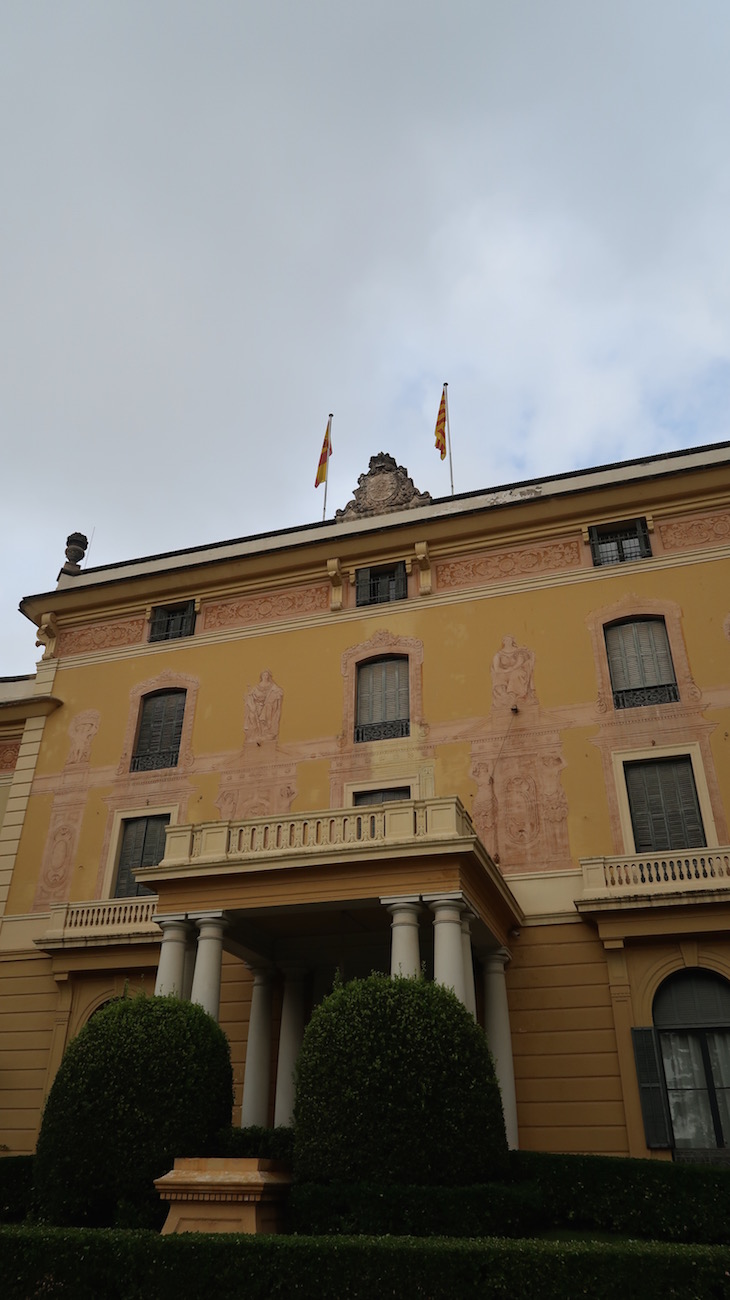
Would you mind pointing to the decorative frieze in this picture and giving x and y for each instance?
(274, 605)
(9, 752)
(502, 566)
(99, 636)
(705, 530)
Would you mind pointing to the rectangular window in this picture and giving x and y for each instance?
(619, 543)
(168, 622)
(143, 845)
(160, 729)
(665, 810)
(640, 663)
(382, 585)
(361, 798)
(382, 699)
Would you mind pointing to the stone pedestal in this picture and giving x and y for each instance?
(217, 1194)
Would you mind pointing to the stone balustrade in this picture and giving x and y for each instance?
(416, 821)
(680, 871)
(113, 919)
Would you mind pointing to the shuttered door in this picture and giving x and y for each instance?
(665, 811)
(652, 1090)
(160, 729)
(143, 845)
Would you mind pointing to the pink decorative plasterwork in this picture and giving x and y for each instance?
(501, 566)
(99, 636)
(9, 752)
(264, 608)
(705, 530)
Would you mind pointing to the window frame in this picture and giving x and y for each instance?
(635, 696)
(140, 891)
(656, 753)
(654, 1090)
(136, 764)
(121, 815)
(386, 728)
(186, 609)
(395, 575)
(619, 531)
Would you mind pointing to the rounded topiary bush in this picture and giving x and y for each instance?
(146, 1080)
(395, 1083)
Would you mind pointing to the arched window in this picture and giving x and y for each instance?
(382, 711)
(683, 1064)
(159, 732)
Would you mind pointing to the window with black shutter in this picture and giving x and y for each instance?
(683, 1065)
(665, 810)
(168, 622)
(379, 586)
(382, 699)
(619, 543)
(143, 845)
(640, 663)
(362, 798)
(160, 729)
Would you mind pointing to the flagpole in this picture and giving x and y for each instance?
(327, 466)
(448, 436)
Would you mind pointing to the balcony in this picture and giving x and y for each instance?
(116, 920)
(269, 841)
(654, 880)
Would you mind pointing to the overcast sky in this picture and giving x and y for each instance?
(222, 220)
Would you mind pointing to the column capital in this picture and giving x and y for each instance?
(495, 959)
(393, 899)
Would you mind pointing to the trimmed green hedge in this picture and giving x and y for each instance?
(494, 1209)
(395, 1084)
(261, 1143)
(146, 1080)
(84, 1265)
(16, 1188)
(642, 1198)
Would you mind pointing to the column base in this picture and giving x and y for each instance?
(224, 1194)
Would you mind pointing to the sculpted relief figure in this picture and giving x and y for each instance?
(263, 709)
(512, 670)
(82, 730)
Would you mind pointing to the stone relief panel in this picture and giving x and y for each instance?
(262, 710)
(501, 566)
(387, 486)
(54, 881)
(260, 779)
(82, 729)
(265, 608)
(520, 808)
(705, 530)
(100, 636)
(512, 675)
(9, 751)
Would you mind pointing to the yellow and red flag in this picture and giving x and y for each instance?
(324, 455)
(441, 426)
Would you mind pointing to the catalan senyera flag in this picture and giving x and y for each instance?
(324, 455)
(441, 426)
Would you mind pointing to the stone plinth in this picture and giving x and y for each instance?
(216, 1194)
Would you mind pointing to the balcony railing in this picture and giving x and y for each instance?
(679, 872)
(113, 919)
(325, 833)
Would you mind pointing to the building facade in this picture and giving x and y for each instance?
(487, 737)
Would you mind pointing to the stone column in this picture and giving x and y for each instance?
(171, 966)
(470, 997)
(499, 1038)
(405, 951)
(291, 1033)
(206, 990)
(255, 1108)
(448, 948)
